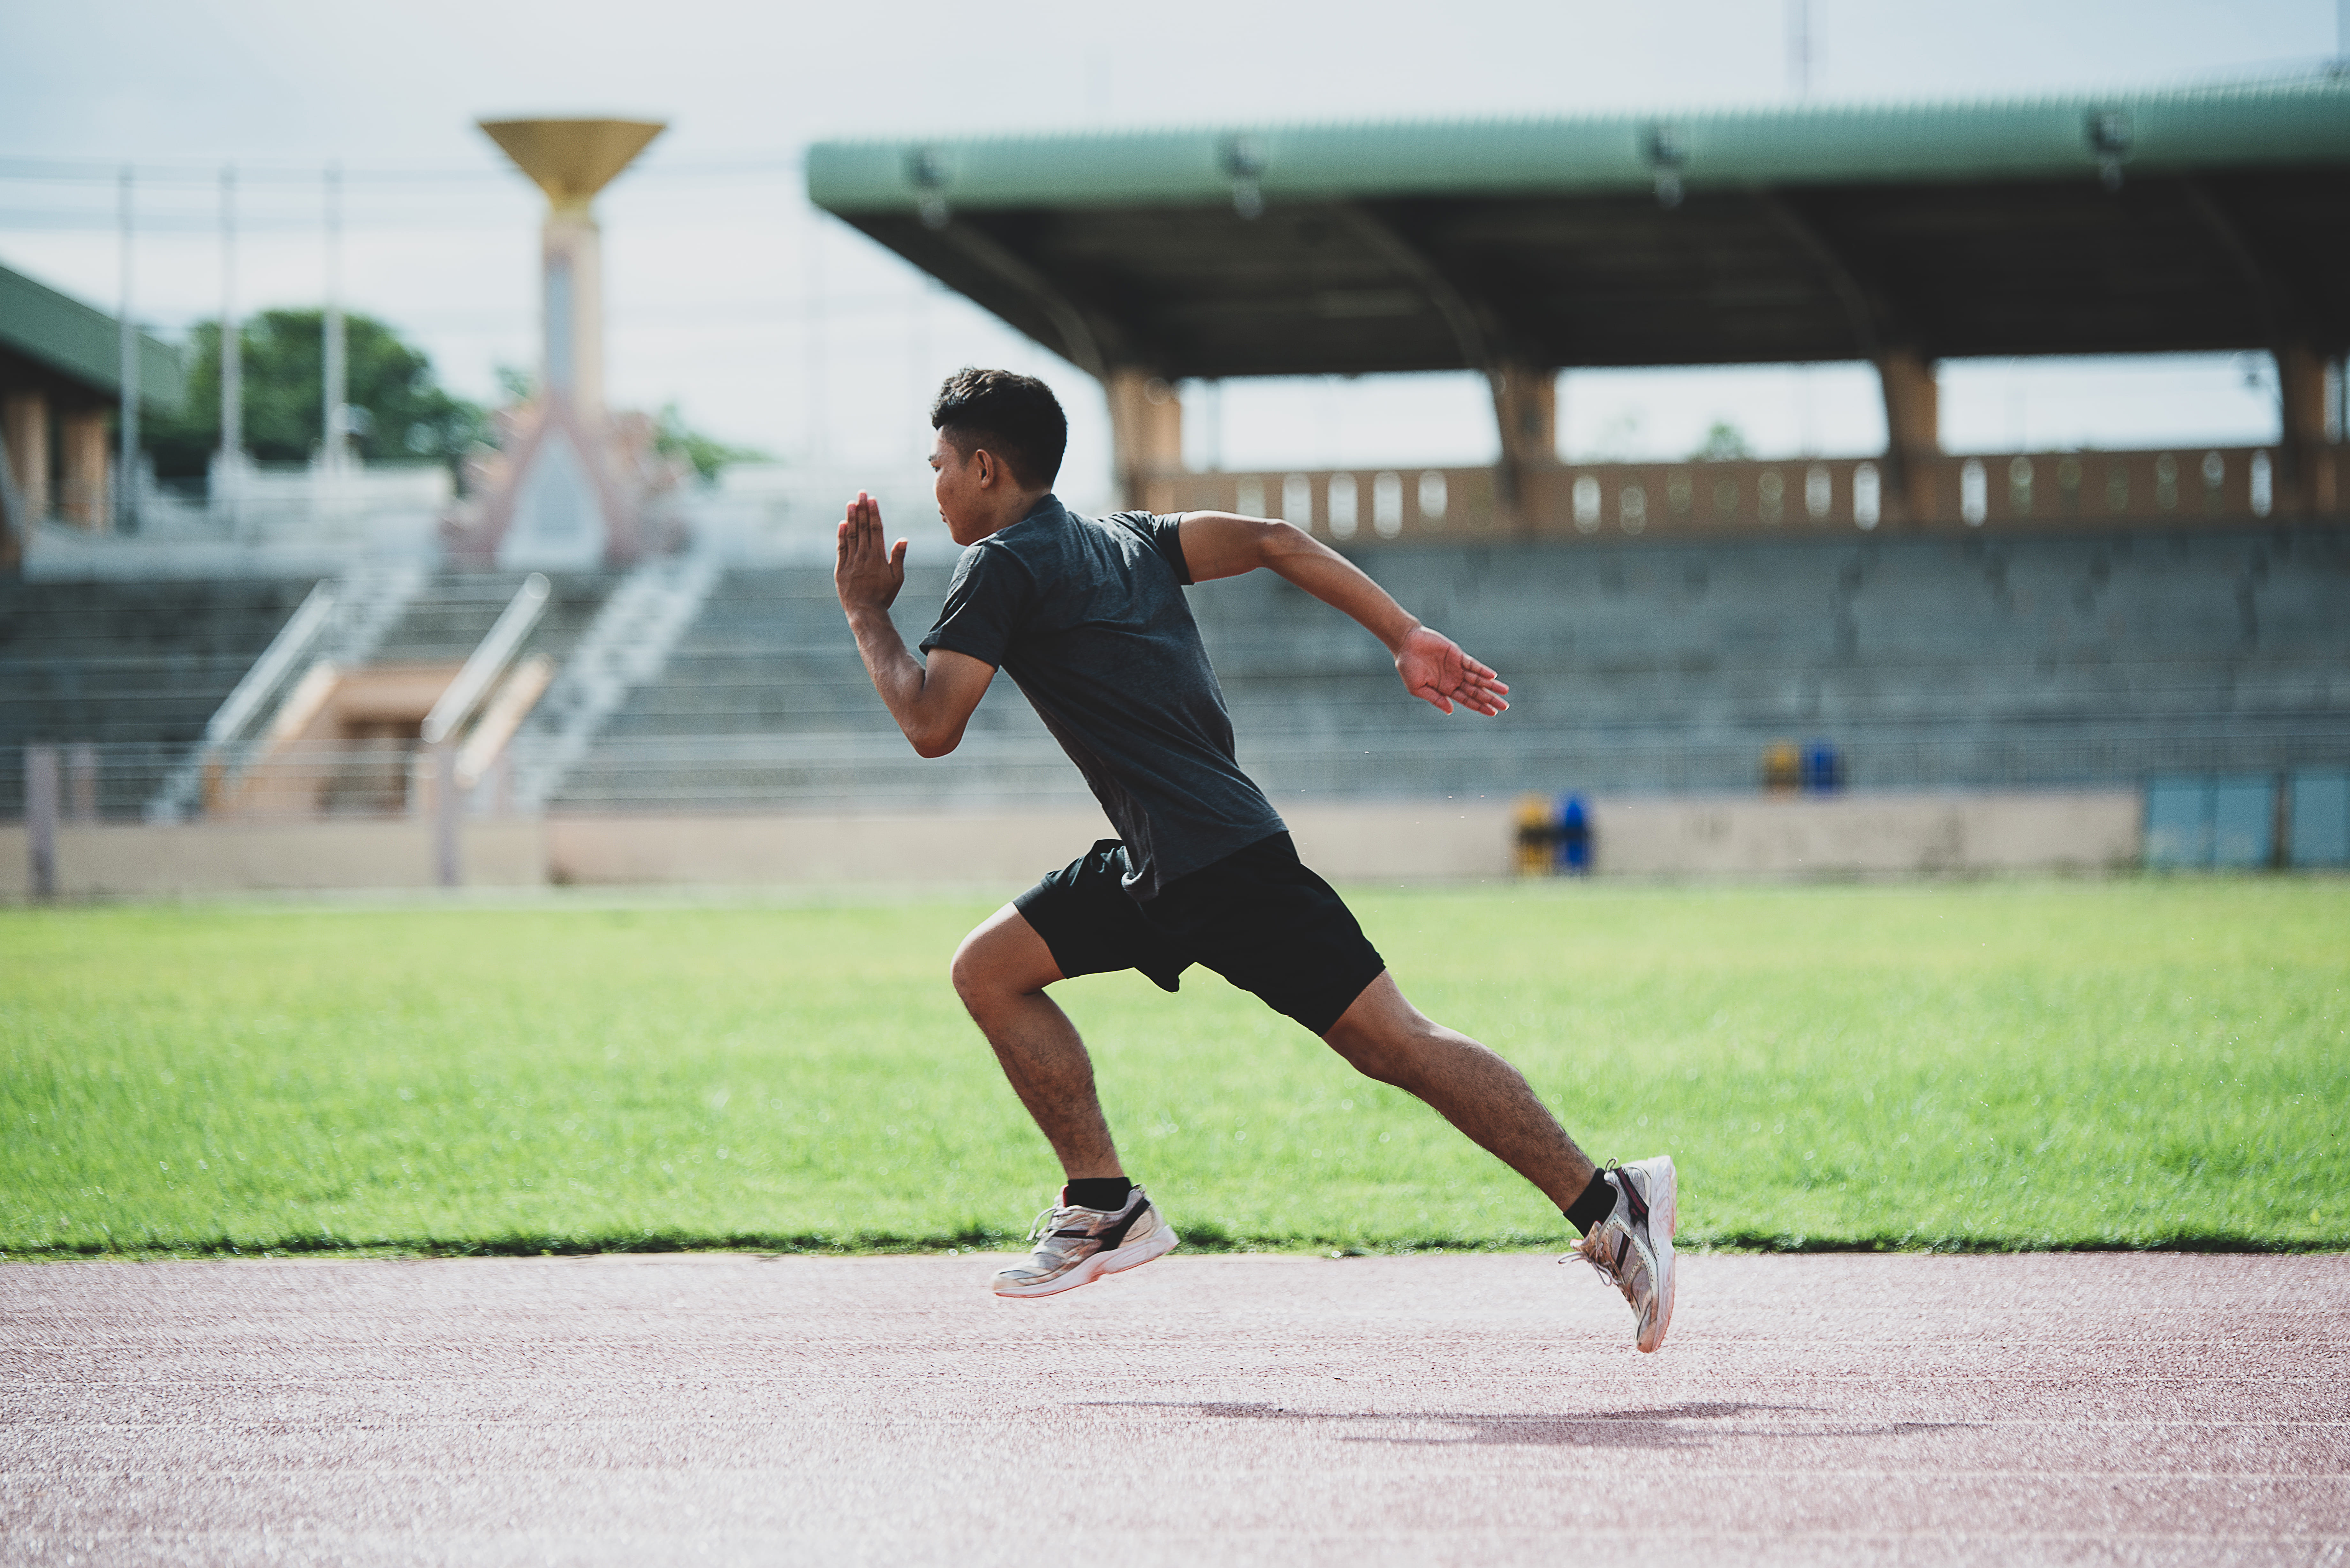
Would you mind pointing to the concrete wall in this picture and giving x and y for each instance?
(755, 849)
(1862, 834)
(1434, 841)
(1406, 841)
(1726, 836)
(134, 859)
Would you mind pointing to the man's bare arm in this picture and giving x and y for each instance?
(1432, 665)
(932, 702)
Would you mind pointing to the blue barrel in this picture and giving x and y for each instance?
(1573, 836)
(1822, 768)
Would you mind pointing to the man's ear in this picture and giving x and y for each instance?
(988, 469)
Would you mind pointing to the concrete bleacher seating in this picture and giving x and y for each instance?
(1960, 662)
(131, 666)
(764, 699)
(447, 621)
(139, 668)
(1963, 662)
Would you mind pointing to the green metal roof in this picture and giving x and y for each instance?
(2168, 132)
(83, 344)
(2098, 224)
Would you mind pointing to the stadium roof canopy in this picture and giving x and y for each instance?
(2120, 223)
(54, 343)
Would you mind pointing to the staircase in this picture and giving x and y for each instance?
(625, 646)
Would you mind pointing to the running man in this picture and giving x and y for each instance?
(1089, 618)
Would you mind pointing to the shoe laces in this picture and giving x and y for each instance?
(1619, 1264)
(1046, 1226)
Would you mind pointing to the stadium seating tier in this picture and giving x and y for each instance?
(1931, 662)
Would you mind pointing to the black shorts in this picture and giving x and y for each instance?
(1257, 917)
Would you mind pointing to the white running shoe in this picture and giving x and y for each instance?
(1078, 1246)
(1633, 1247)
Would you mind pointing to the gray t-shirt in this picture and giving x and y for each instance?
(1089, 618)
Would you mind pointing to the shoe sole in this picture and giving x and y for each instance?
(1156, 1245)
(1664, 1214)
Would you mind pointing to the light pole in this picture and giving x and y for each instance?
(126, 489)
(337, 379)
(227, 467)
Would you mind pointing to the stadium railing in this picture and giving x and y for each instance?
(2004, 492)
(392, 776)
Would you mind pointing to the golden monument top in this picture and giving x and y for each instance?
(572, 158)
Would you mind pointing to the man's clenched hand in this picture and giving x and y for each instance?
(1435, 671)
(867, 574)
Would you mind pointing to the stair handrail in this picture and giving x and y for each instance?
(291, 644)
(339, 623)
(488, 661)
(631, 637)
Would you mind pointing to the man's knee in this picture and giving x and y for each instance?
(976, 971)
(1382, 1035)
(1002, 955)
(965, 970)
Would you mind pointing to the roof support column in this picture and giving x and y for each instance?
(1525, 411)
(24, 421)
(1913, 432)
(1145, 428)
(15, 521)
(2305, 482)
(85, 498)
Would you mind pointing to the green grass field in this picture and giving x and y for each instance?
(2129, 1063)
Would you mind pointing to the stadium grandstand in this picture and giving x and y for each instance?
(2163, 623)
(62, 375)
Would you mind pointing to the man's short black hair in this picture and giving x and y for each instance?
(1013, 416)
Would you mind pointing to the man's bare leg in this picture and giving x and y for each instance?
(1001, 972)
(1383, 1036)
(1628, 1222)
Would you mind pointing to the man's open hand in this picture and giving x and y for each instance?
(1435, 671)
(867, 573)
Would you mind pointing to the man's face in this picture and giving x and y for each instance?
(961, 503)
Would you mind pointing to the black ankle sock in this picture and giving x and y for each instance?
(1598, 1202)
(1107, 1193)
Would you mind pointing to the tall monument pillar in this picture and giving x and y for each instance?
(571, 160)
(572, 487)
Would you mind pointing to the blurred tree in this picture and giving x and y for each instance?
(1619, 442)
(1724, 443)
(407, 413)
(707, 453)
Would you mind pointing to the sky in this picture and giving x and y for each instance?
(776, 327)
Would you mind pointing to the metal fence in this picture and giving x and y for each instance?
(395, 776)
(380, 777)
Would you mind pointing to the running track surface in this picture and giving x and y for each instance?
(1458, 1410)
